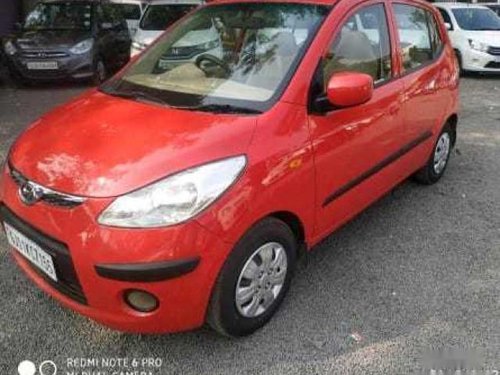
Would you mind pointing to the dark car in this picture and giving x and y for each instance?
(78, 39)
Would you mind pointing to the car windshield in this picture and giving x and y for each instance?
(477, 19)
(161, 16)
(231, 57)
(59, 16)
(129, 11)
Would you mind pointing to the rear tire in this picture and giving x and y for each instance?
(100, 72)
(247, 294)
(438, 161)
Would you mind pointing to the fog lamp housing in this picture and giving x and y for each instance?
(141, 301)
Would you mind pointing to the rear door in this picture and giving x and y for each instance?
(355, 147)
(423, 70)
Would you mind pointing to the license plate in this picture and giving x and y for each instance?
(42, 65)
(31, 251)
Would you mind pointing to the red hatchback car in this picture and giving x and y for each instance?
(182, 191)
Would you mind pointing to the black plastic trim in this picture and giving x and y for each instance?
(147, 272)
(377, 168)
(68, 283)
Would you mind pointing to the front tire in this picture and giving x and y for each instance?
(254, 279)
(438, 161)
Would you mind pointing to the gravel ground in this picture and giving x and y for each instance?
(419, 271)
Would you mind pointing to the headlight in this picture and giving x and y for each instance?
(138, 45)
(478, 46)
(82, 47)
(208, 45)
(174, 199)
(9, 48)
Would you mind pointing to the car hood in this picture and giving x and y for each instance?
(146, 36)
(102, 146)
(197, 37)
(490, 37)
(28, 40)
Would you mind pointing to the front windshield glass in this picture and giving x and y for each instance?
(232, 54)
(160, 17)
(477, 19)
(129, 11)
(68, 15)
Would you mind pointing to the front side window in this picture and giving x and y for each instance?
(476, 19)
(59, 16)
(160, 17)
(232, 55)
(363, 45)
(419, 37)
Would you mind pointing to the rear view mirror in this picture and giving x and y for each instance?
(349, 89)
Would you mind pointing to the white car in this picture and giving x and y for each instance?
(132, 11)
(157, 17)
(474, 31)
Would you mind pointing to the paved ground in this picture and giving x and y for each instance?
(418, 271)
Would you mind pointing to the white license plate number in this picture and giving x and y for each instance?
(42, 65)
(31, 251)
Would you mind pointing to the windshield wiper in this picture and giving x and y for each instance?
(224, 108)
(135, 95)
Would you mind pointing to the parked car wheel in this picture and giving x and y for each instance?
(254, 280)
(438, 161)
(100, 72)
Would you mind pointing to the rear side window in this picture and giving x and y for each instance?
(362, 45)
(436, 41)
(419, 36)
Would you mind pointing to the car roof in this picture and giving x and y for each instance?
(460, 5)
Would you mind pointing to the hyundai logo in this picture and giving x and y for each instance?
(30, 194)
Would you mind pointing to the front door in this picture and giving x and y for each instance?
(355, 147)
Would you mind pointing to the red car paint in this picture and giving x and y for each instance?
(302, 166)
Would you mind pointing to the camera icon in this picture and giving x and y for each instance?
(29, 368)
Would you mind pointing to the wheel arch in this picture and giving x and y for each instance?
(453, 122)
(295, 224)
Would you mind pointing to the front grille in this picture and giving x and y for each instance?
(49, 196)
(495, 51)
(67, 283)
(43, 54)
(493, 65)
(182, 53)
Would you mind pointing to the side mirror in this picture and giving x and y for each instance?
(448, 26)
(348, 89)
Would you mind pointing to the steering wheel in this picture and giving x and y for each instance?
(213, 60)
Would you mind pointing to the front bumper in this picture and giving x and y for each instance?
(108, 262)
(477, 61)
(68, 67)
